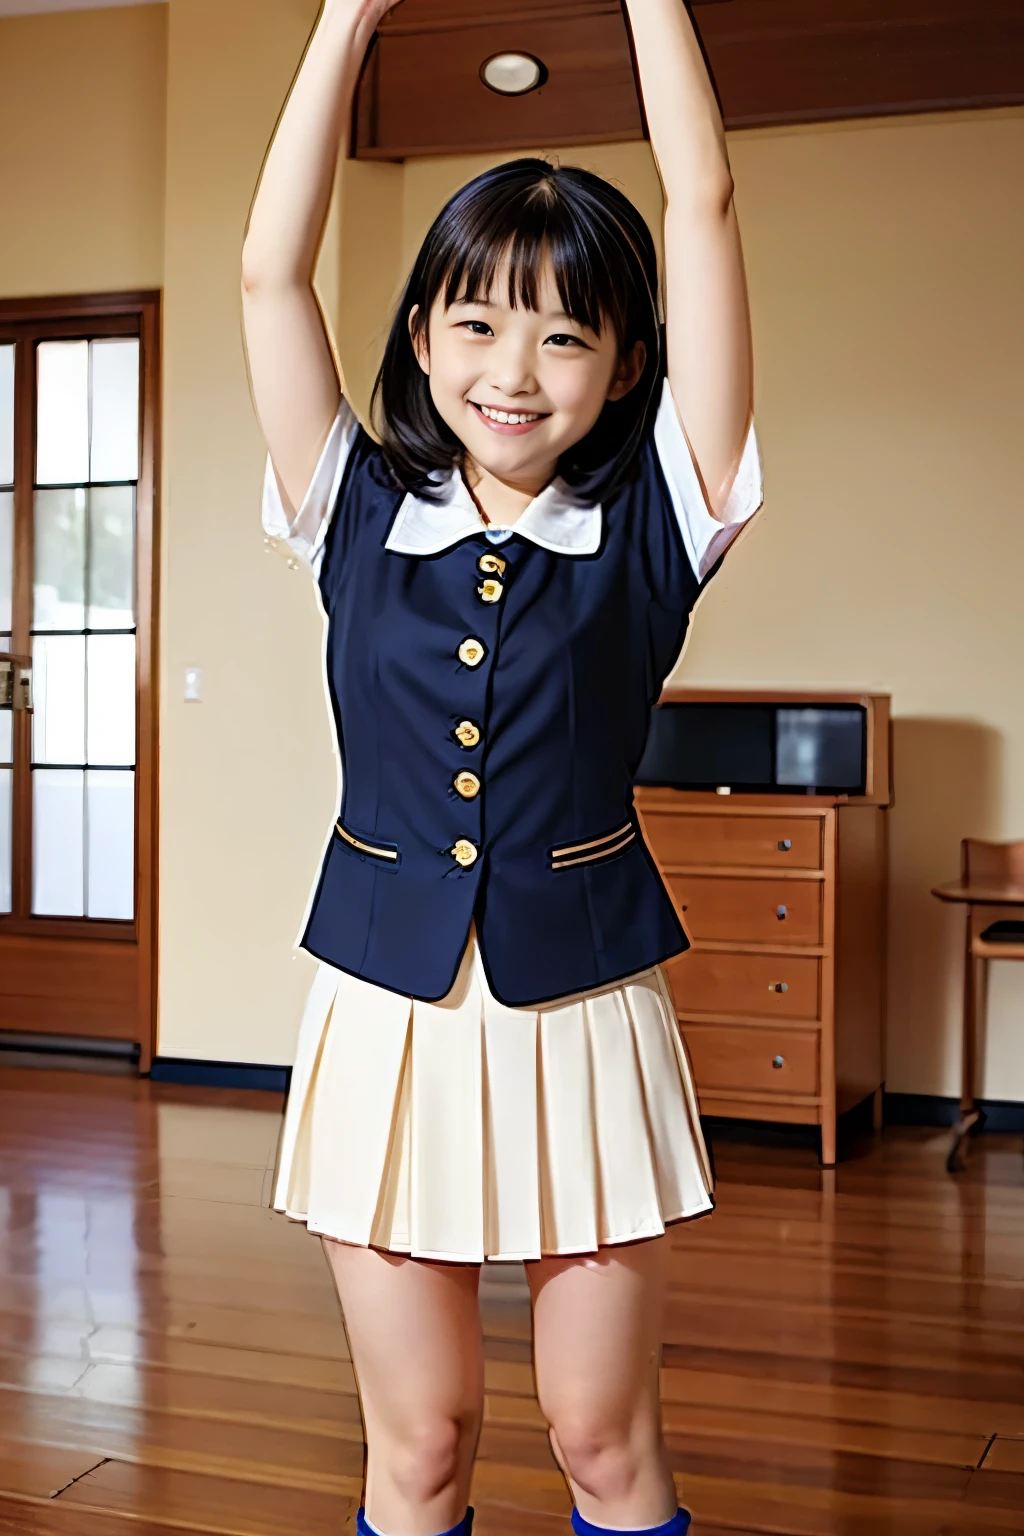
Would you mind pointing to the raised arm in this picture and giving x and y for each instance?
(294, 379)
(710, 366)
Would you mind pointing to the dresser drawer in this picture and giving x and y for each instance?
(767, 986)
(776, 842)
(736, 910)
(730, 1060)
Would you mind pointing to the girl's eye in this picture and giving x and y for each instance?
(564, 341)
(477, 327)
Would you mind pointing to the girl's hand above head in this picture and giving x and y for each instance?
(710, 368)
(291, 365)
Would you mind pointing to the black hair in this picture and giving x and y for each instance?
(606, 268)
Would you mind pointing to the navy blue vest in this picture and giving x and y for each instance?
(491, 706)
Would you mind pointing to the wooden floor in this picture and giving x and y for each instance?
(843, 1358)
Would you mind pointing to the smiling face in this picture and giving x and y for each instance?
(517, 386)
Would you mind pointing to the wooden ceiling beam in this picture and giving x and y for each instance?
(774, 61)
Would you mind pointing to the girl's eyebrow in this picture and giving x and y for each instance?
(554, 314)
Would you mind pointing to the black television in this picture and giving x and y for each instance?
(757, 748)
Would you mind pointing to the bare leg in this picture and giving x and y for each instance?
(414, 1331)
(597, 1345)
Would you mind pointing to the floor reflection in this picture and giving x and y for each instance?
(844, 1349)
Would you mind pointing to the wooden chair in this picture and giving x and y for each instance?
(991, 885)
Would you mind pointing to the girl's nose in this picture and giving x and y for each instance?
(513, 371)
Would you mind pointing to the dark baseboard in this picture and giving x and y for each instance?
(1002, 1116)
(14, 1041)
(83, 1054)
(766, 1133)
(220, 1074)
(920, 1109)
(760, 1133)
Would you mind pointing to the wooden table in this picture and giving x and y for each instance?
(987, 901)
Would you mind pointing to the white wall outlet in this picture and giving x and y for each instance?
(193, 685)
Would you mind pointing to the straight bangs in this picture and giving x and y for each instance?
(525, 239)
(518, 217)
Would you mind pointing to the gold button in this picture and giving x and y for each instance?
(490, 590)
(467, 785)
(467, 734)
(465, 853)
(472, 652)
(492, 565)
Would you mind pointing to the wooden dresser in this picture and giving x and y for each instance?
(782, 997)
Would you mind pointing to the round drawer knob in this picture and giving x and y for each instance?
(781, 913)
(778, 986)
(778, 1062)
(785, 844)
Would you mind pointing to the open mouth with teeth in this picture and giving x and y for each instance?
(509, 421)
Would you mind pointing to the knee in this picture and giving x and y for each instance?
(426, 1460)
(599, 1455)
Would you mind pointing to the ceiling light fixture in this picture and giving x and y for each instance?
(512, 74)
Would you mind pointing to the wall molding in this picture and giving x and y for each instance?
(220, 1074)
(1002, 1116)
(39, 1042)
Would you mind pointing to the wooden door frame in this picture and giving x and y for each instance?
(66, 317)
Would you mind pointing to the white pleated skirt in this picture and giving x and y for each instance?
(468, 1131)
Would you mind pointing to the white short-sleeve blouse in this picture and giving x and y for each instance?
(555, 519)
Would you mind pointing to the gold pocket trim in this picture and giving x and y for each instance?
(602, 852)
(355, 842)
(597, 842)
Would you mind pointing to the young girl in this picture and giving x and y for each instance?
(489, 1066)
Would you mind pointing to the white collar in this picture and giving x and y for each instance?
(556, 520)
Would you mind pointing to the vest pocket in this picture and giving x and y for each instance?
(387, 854)
(595, 851)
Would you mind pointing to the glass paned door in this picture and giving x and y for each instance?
(6, 601)
(79, 520)
(84, 628)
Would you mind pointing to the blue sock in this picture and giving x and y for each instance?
(464, 1527)
(677, 1526)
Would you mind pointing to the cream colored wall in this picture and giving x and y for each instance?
(82, 123)
(236, 769)
(885, 267)
(370, 212)
(884, 261)
(248, 782)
